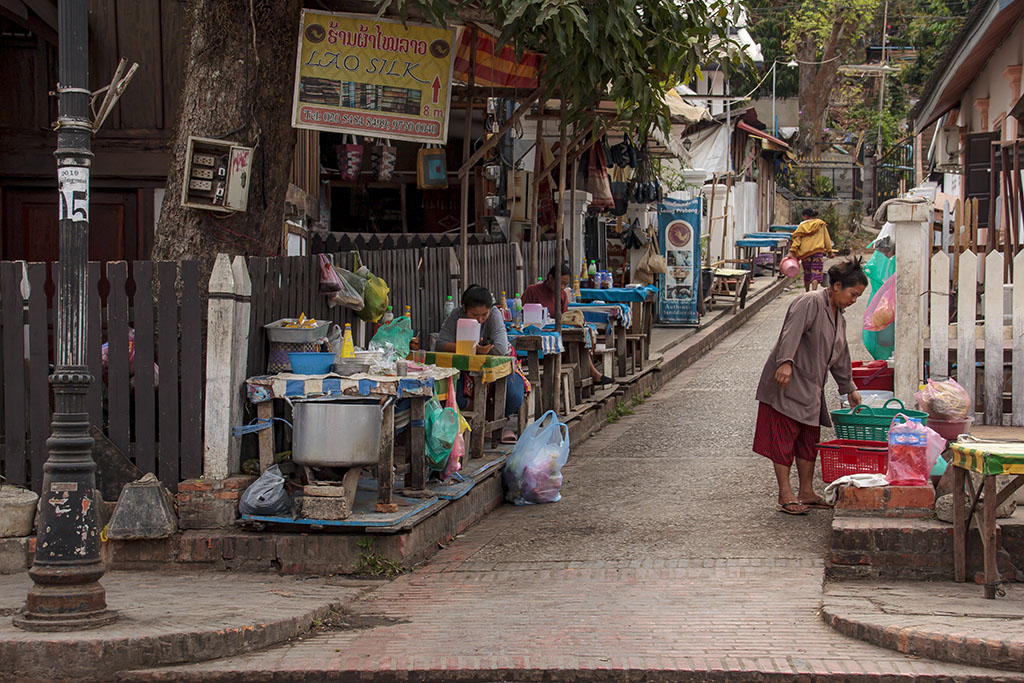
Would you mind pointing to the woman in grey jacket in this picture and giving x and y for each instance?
(791, 393)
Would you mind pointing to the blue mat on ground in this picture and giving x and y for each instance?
(364, 512)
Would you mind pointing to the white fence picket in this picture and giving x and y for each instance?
(1018, 341)
(993, 338)
(967, 314)
(939, 343)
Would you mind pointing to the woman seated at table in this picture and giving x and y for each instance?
(543, 293)
(478, 304)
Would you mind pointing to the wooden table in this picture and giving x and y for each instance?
(989, 459)
(419, 387)
(486, 370)
(615, 326)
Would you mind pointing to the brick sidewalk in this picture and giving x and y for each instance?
(665, 560)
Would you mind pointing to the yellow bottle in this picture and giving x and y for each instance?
(408, 312)
(348, 349)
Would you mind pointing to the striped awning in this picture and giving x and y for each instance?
(494, 68)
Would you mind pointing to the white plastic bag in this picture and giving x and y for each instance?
(533, 473)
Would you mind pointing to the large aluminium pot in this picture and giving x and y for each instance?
(336, 432)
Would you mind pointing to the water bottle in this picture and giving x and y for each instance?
(449, 306)
(388, 316)
(517, 309)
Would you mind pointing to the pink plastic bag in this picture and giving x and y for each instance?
(459, 447)
(913, 450)
(881, 311)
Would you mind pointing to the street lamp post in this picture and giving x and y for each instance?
(66, 594)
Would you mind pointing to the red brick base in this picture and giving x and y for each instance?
(886, 501)
(210, 504)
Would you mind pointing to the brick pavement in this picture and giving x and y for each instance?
(665, 560)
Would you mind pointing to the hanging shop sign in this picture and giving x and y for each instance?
(679, 234)
(371, 76)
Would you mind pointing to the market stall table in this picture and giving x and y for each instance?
(486, 370)
(539, 346)
(418, 386)
(989, 458)
(748, 248)
(614, 319)
(641, 301)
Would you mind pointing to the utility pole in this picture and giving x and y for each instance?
(881, 89)
(66, 594)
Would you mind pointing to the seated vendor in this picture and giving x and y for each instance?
(543, 293)
(478, 304)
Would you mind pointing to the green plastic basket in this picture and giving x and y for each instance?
(864, 423)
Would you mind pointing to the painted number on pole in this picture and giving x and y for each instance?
(74, 193)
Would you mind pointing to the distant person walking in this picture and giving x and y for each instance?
(791, 393)
(809, 245)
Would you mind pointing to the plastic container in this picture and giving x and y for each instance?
(311, 363)
(295, 335)
(950, 429)
(872, 424)
(870, 398)
(533, 314)
(789, 267)
(467, 336)
(840, 457)
(876, 375)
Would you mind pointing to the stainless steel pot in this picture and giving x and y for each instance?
(336, 431)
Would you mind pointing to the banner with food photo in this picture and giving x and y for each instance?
(371, 76)
(679, 234)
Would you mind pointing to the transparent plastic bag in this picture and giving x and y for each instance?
(329, 280)
(459, 447)
(533, 472)
(266, 495)
(881, 312)
(912, 452)
(393, 339)
(944, 400)
(350, 293)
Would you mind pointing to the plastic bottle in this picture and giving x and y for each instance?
(503, 307)
(348, 348)
(592, 273)
(449, 306)
(517, 308)
(576, 289)
(408, 312)
(388, 316)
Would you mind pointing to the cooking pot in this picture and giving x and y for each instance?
(337, 431)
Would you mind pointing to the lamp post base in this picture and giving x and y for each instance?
(65, 608)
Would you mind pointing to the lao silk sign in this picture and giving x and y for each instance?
(370, 76)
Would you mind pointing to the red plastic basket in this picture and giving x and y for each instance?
(874, 375)
(840, 457)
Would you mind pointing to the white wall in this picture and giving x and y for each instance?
(742, 217)
(993, 85)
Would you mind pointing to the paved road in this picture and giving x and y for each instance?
(665, 556)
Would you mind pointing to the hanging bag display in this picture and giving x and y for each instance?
(431, 168)
(598, 184)
(620, 191)
(350, 158)
(382, 160)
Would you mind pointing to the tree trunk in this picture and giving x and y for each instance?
(816, 83)
(239, 93)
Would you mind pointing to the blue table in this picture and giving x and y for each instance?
(623, 295)
(749, 246)
(782, 228)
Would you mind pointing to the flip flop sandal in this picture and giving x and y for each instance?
(818, 504)
(789, 508)
(508, 437)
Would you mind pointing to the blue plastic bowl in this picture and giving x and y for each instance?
(310, 363)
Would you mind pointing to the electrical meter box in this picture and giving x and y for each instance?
(217, 175)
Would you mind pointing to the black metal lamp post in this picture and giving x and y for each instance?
(67, 567)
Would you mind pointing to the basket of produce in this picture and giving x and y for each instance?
(840, 457)
(862, 423)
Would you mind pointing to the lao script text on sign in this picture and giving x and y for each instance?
(371, 76)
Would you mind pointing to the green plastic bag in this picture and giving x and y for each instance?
(375, 294)
(442, 426)
(393, 338)
(878, 269)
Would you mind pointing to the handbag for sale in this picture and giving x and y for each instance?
(431, 168)
(598, 184)
(350, 158)
(382, 160)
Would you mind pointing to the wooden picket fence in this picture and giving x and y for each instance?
(991, 371)
(147, 396)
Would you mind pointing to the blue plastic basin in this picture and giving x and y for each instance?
(310, 363)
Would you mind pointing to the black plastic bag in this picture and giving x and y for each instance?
(266, 496)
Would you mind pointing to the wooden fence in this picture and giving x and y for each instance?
(145, 352)
(992, 372)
